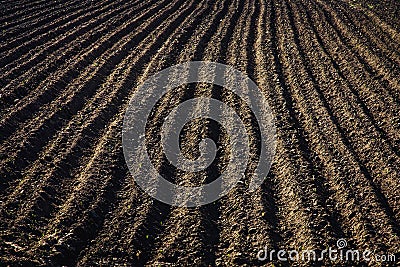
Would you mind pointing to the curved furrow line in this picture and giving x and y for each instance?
(73, 98)
(375, 66)
(204, 234)
(36, 68)
(385, 26)
(368, 93)
(373, 148)
(20, 46)
(385, 48)
(46, 134)
(142, 229)
(385, 166)
(175, 233)
(144, 215)
(170, 41)
(21, 165)
(311, 205)
(304, 221)
(123, 48)
(63, 245)
(16, 69)
(285, 63)
(181, 18)
(381, 38)
(63, 152)
(137, 237)
(19, 5)
(104, 104)
(24, 23)
(308, 71)
(142, 232)
(321, 179)
(369, 96)
(310, 186)
(265, 69)
(242, 221)
(365, 71)
(23, 9)
(22, 5)
(15, 41)
(293, 221)
(357, 130)
(360, 173)
(68, 71)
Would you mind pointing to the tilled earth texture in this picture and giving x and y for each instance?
(329, 70)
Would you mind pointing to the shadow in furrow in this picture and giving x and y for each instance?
(363, 106)
(27, 62)
(158, 211)
(93, 218)
(47, 32)
(299, 130)
(381, 197)
(153, 226)
(45, 132)
(367, 67)
(267, 188)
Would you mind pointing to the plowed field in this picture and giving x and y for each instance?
(329, 69)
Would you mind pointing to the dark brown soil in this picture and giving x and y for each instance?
(329, 70)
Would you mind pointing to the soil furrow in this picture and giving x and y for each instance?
(329, 71)
(361, 171)
(383, 156)
(41, 65)
(370, 95)
(302, 220)
(204, 234)
(360, 151)
(19, 11)
(124, 49)
(23, 23)
(110, 54)
(375, 66)
(365, 151)
(240, 240)
(150, 215)
(382, 38)
(38, 53)
(19, 5)
(20, 46)
(164, 33)
(388, 22)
